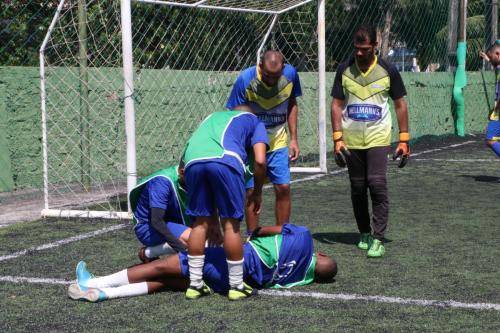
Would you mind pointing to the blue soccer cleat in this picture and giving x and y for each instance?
(83, 275)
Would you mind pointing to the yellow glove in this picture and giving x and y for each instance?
(403, 149)
(340, 150)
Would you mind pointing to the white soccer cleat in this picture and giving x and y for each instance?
(92, 295)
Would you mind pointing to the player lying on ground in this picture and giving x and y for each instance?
(275, 257)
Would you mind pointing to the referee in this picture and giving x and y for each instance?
(362, 123)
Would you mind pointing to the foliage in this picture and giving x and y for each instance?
(420, 25)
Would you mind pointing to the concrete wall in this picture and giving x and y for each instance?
(429, 98)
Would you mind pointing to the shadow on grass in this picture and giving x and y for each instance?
(349, 238)
(486, 179)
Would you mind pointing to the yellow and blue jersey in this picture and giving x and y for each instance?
(494, 116)
(366, 118)
(269, 104)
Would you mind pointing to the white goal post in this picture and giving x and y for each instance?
(124, 84)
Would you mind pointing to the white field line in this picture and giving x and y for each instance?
(384, 299)
(411, 158)
(63, 241)
(120, 226)
(443, 148)
(22, 279)
(471, 160)
(324, 296)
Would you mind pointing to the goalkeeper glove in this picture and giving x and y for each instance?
(402, 150)
(340, 150)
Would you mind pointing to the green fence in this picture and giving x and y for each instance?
(429, 99)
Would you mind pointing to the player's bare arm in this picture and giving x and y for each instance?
(401, 109)
(293, 111)
(340, 150)
(255, 198)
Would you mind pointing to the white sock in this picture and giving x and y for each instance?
(129, 290)
(114, 280)
(235, 273)
(196, 270)
(159, 250)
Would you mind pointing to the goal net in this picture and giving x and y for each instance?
(163, 65)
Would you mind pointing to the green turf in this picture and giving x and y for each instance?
(442, 244)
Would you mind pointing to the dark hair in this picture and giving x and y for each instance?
(325, 270)
(366, 32)
(269, 53)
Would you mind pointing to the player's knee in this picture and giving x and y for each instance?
(377, 184)
(358, 187)
(282, 191)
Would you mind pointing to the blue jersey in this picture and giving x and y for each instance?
(279, 261)
(159, 193)
(269, 104)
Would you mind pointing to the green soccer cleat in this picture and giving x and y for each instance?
(377, 249)
(195, 293)
(365, 241)
(92, 295)
(236, 294)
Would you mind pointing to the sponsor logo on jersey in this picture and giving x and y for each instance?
(283, 271)
(271, 119)
(364, 112)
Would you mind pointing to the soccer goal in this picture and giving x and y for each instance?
(125, 83)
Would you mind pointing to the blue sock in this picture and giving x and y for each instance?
(496, 147)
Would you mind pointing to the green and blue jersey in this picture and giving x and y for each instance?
(227, 137)
(159, 190)
(280, 261)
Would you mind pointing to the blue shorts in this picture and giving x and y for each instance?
(493, 131)
(278, 168)
(148, 235)
(215, 271)
(212, 185)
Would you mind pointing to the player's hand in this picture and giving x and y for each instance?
(402, 150)
(254, 202)
(254, 234)
(484, 56)
(293, 150)
(341, 152)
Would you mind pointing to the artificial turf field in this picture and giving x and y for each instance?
(441, 271)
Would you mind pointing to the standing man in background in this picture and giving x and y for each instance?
(362, 123)
(492, 55)
(270, 89)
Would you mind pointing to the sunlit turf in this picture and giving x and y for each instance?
(442, 244)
